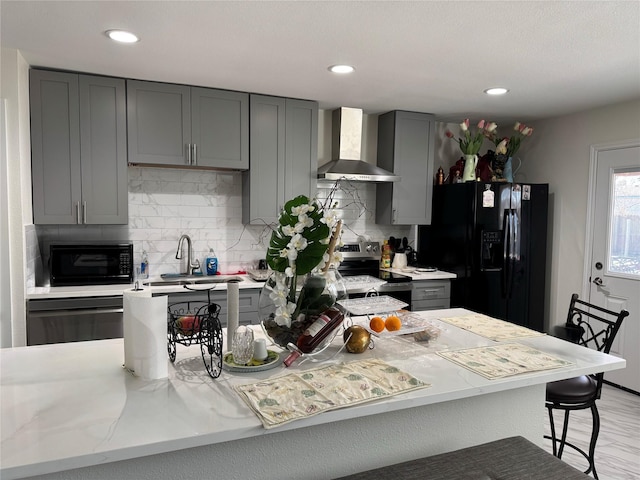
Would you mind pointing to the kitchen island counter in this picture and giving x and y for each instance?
(73, 409)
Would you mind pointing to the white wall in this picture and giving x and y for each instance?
(16, 198)
(559, 154)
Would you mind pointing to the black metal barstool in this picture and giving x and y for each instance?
(593, 327)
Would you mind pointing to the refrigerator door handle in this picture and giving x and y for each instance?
(506, 249)
(509, 252)
(514, 254)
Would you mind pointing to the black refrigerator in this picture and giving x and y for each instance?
(493, 236)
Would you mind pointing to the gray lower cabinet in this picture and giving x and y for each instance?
(248, 303)
(78, 148)
(188, 127)
(284, 156)
(430, 294)
(405, 147)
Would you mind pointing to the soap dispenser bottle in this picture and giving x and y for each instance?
(144, 265)
(211, 263)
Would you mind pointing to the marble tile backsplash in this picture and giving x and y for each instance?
(207, 206)
(32, 252)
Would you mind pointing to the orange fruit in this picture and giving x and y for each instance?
(393, 323)
(376, 324)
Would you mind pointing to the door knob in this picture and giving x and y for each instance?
(598, 281)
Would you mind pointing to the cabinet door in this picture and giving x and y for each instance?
(220, 128)
(158, 123)
(55, 147)
(284, 156)
(263, 185)
(103, 150)
(301, 166)
(405, 146)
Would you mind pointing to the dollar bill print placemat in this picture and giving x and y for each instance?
(504, 360)
(299, 395)
(490, 328)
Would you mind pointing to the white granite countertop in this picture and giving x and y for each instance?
(111, 290)
(247, 282)
(72, 405)
(416, 273)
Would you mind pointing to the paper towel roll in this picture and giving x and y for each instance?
(145, 334)
(233, 310)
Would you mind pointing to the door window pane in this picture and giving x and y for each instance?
(624, 232)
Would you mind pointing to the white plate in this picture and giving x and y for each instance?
(271, 362)
(426, 270)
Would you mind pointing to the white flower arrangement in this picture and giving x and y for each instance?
(304, 242)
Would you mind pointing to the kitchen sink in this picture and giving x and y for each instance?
(191, 280)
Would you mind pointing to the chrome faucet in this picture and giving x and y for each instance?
(192, 265)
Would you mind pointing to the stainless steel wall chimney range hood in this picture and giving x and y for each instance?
(346, 144)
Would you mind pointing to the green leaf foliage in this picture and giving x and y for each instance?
(316, 236)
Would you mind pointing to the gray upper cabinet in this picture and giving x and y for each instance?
(284, 156)
(405, 147)
(78, 148)
(182, 126)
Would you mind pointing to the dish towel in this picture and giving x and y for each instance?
(489, 327)
(504, 360)
(299, 395)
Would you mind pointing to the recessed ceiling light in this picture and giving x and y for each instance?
(122, 36)
(341, 68)
(496, 91)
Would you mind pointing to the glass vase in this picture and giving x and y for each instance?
(307, 296)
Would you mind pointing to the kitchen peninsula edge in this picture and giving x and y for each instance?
(71, 411)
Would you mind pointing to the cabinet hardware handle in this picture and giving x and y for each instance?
(84, 212)
(195, 154)
(78, 217)
(188, 154)
(393, 216)
(71, 313)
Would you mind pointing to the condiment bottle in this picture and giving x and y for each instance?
(385, 260)
(440, 177)
(313, 336)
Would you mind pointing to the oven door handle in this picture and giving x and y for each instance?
(71, 313)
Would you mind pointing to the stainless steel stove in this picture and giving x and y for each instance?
(360, 268)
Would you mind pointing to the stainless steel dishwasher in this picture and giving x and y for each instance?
(57, 320)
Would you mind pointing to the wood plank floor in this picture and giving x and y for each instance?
(618, 448)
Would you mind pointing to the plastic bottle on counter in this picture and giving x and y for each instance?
(385, 259)
(313, 336)
(211, 263)
(144, 265)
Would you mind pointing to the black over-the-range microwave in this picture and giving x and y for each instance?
(90, 264)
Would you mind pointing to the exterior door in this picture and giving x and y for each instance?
(614, 270)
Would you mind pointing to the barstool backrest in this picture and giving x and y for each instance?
(598, 326)
(593, 327)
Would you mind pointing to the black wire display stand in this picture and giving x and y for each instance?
(194, 322)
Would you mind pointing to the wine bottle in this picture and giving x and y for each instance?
(313, 336)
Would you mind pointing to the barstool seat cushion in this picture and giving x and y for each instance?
(514, 458)
(573, 390)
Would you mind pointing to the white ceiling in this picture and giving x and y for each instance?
(556, 57)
